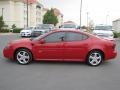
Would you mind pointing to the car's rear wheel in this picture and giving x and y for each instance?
(23, 56)
(95, 58)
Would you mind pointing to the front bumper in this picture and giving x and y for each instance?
(8, 53)
(25, 34)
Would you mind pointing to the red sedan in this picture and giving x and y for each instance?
(61, 45)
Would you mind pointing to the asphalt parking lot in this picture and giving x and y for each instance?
(57, 75)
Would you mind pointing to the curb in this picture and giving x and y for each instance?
(7, 33)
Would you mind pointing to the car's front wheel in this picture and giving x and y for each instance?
(23, 56)
(95, 58)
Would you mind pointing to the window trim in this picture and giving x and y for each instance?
(43, 37)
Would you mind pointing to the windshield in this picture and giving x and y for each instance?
(103, 28)
(68, 26)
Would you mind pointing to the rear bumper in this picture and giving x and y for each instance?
(111, 55)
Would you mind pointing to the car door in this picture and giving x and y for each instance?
(75, 46)
(52, 48)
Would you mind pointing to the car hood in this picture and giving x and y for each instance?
(102, 32)
(26, 31)
(28, 40)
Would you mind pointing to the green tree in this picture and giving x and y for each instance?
(13, 26)
(1, 23)
(50, 18)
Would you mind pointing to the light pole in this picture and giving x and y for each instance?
(80, 12)
(27, 13)
(2, 11)
(87, 19)
(107, 16)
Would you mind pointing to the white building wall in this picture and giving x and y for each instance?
(32, 14)
(15, 13)
(116, 25)
(39, 15)
(8, 12)
(60, 20)
(19, 14)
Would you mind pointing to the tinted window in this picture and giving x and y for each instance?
(72, 36)
(103, 28)
(55, 37)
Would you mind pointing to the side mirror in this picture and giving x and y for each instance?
(42, 41)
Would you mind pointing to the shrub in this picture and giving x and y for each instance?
(4, 31)
(17, 30)
(116, 34)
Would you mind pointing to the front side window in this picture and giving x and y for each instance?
(55, 37)
(73, 36)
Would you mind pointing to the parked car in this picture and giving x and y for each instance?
(46, 27)
(26, 32)
(68, 26)
(61, 45)
(104, 31)
(41, 29)
(38, 31)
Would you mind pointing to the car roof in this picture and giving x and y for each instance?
(74, 30)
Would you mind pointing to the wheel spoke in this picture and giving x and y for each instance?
(92, 62)
(25, 61)
(91, 57)
(26, 57)
(99, 57)
(95, 54)
(19, 54)
(24, 53)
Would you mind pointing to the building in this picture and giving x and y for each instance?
(59, 16)
(15, 12)
(116, 25)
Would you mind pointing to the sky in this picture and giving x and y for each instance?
(99, 11)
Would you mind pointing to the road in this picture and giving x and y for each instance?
(57, 75)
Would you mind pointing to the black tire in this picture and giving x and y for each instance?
(94, 58)
(23, 56)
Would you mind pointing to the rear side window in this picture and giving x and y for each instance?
(73, 36)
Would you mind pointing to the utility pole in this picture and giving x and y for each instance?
(80, 13)
(107, 19)
(87, 18)
(27, 14)
(2, 11)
